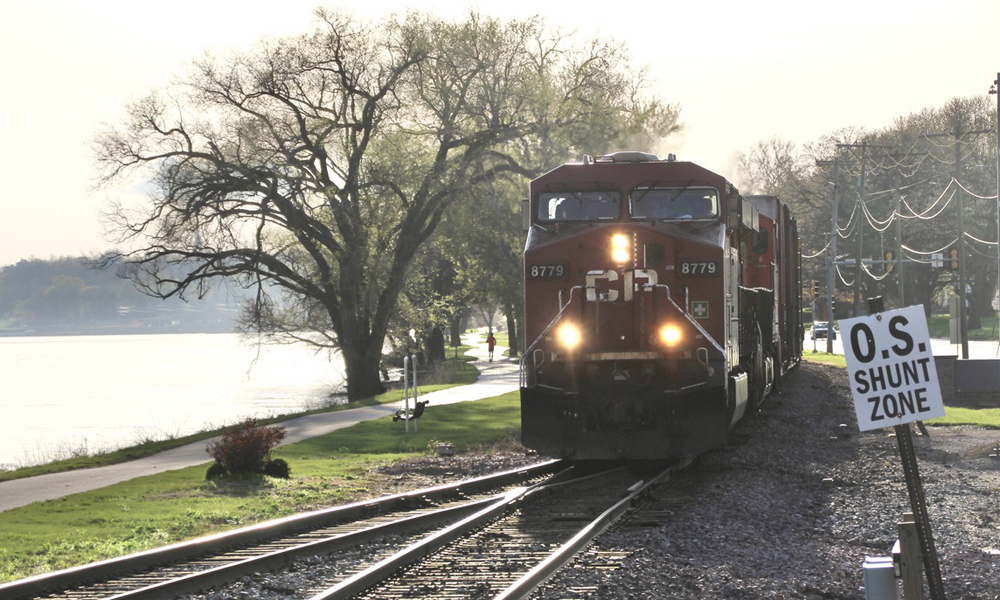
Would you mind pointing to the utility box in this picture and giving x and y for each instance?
(880, 579)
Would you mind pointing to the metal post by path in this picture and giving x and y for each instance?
(916, 491)
(406, 392)
(414, 364)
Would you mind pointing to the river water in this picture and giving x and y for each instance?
(62, 396)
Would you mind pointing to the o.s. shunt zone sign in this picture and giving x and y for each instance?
(891, 368)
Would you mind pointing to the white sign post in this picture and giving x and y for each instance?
(894, 382)
(891, 368)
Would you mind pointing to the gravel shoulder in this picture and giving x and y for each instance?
(755, 519)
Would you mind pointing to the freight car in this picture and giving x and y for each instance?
(661, 307)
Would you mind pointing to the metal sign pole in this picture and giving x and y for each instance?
(916, 491)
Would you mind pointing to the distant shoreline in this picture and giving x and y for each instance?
(112, 330)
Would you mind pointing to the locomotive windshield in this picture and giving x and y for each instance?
(556, 207)
(674, 203)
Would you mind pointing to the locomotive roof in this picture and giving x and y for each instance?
(767, 205)
(634, 167)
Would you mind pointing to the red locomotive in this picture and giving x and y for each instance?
(661, 306)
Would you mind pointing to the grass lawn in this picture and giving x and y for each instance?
(152, 511)
(938, 327)
(822, 357)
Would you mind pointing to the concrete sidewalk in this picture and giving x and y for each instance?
(496, 378)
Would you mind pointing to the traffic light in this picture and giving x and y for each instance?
(954, 259)
(815, 288)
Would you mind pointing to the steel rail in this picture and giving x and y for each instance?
(223, 574)
(66, 578)
(385, 568)
(523, 587)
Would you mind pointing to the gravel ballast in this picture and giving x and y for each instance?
(793, 505)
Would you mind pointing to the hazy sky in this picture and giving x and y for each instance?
(741, 71)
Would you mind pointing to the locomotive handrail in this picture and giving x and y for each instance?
(531, 348)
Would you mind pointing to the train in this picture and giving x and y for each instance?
(661, 307)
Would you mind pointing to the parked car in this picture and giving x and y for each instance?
(821, 328)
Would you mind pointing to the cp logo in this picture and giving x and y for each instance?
(609, 293)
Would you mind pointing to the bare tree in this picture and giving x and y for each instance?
(770, 167)
(312, 169)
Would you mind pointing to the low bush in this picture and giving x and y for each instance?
(245, 448)
(277, 468)
(215, 470)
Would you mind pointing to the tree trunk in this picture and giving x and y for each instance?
(435, 345)
(515, 347)
(362, 371)
(456, 330)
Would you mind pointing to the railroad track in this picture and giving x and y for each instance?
(218, 559)
(507, 549)
(461, 541)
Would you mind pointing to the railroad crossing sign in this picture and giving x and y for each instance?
(891, 368)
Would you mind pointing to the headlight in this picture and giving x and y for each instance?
(670, 335)
(619, 248)
(568, 335)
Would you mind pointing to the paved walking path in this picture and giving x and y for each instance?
(496, 378)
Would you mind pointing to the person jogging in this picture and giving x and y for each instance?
(491, 343)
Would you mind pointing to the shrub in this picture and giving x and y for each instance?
(246, 448)
(277, 468)
(215, 470)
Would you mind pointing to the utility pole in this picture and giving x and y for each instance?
(830, 279)
(860, 233)
(995, 90)
(963, 323)
(831, 265)
(899, 236)
(900, 276)
(862, 218)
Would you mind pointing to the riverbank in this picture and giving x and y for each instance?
(450, 374)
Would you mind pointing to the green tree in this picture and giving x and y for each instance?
(313, 169)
